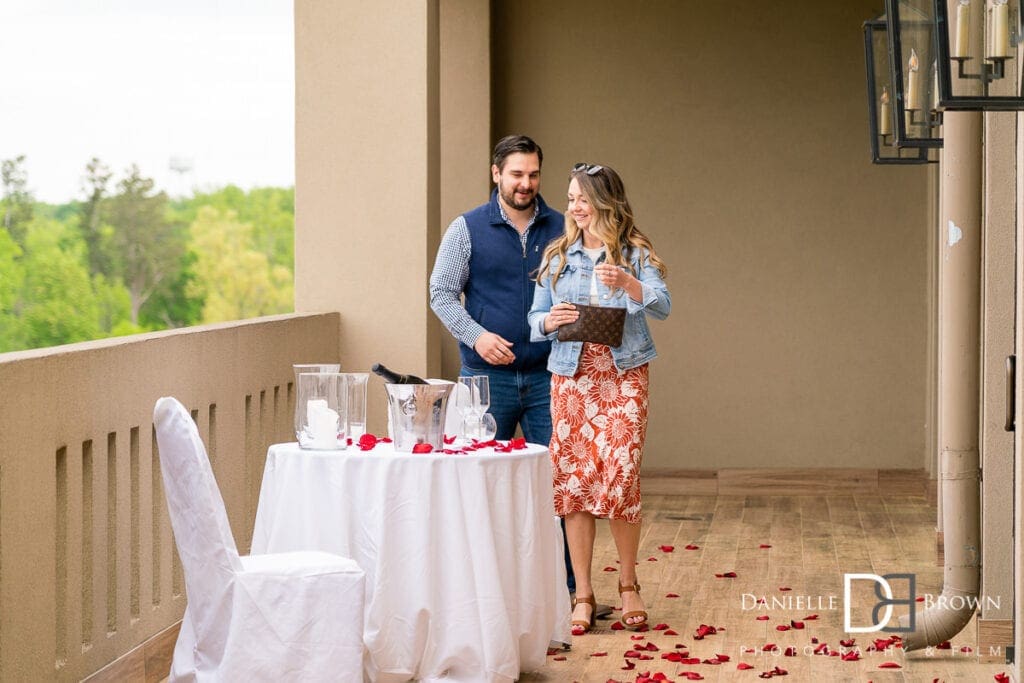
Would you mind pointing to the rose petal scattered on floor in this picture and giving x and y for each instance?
(796, 624)
(559, 658)
(763, 617)
(726, 575)
(1001, 678)
(693, 547)
(666, 548)
(671, 595)
(743, 666)
(610, 569)
(670, 632)
(598, 654)
(785, 588)
(848, 643)
(889, 665)
(764, 545)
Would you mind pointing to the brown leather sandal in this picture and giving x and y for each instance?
(635, 588)
(579, 627)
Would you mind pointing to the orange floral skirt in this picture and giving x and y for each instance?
(599, 423)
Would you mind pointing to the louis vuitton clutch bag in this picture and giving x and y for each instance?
(596, 324)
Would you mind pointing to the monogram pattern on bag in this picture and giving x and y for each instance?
(596, 324)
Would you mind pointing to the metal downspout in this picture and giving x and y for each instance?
(959, 306)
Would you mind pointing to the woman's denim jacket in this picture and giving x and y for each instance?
(574, 286)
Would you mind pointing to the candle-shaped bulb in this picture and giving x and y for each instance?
(913, 89)
(935, 86)
(884, 114)
(999, 35)
(963, 29)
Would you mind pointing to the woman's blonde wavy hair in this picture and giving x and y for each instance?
(612, 223)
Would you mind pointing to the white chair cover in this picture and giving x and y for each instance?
(288, 616)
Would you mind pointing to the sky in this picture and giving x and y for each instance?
(206, 83)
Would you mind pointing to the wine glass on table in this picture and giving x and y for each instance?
(481, 403)
(464, 404)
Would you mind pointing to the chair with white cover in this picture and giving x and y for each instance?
(288, 616)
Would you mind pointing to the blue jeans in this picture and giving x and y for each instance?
(523, 397)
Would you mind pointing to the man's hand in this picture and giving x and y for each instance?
(494, 349)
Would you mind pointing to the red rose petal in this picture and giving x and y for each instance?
(559, 658)
(790, 652)
(385, 439)
(660, 627)
(610, 569)
(666, 548)
(782, 627)
(769, 647)
(652, 559)
(671, 595)
(785, 588)
(617, 626)
(690, 660)
(449, 440)
(598, 654)
(692, 547)
(851, 656)
(670, 632)
(764, 545)
(889, 665)
(1001, 678)
(650, 647)
(637, 637)
(944, 645)
(422, 448)
(966, 649)
(743, 666)
(848, 643)
(629, 666)
(763, 617)
(672, 656)
(726, 575)
(796, 624)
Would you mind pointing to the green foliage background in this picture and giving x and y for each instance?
(126, 258)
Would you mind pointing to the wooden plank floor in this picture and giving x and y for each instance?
(814, 541)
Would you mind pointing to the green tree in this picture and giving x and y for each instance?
(59, 305)
(13, 335)
(235, 280)
(97, 234)
(147, 245)
(16, 203)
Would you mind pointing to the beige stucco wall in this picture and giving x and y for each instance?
(798, 269)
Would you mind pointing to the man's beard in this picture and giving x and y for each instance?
(511, 200)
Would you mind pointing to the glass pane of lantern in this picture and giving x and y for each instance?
(881, 109)
(977, 44)
(914, 73)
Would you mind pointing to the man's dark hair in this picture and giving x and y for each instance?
(512, 144)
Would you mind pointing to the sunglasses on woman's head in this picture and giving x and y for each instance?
(589, 169)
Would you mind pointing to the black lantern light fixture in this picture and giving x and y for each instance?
(977, 45)
(913, 65)
(881, 94)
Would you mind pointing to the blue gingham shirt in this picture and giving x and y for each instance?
(451, 271)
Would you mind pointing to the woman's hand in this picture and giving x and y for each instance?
(560, 314)
(615, 277)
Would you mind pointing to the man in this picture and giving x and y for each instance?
(490, 256)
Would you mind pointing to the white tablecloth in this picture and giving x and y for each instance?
(462, 555)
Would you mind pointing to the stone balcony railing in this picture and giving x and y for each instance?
(88, 568)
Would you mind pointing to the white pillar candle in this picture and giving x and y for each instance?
(884, 114)
(963, 29)
(313, 405)
(323, 427)
(935, 87)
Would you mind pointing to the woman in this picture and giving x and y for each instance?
(599, 393)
